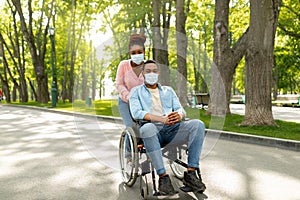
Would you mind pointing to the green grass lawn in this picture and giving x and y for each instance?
(286, 130)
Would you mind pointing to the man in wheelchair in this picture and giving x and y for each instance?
(161, 107)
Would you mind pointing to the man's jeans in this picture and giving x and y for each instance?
(156, 136)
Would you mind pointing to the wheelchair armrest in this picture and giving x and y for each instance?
(140, 122)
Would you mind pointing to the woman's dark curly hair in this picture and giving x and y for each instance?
(137, 39)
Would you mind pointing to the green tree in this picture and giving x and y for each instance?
(123, 18)
(79, 18)
(199, 28)
(162, 12)
(15, 47)
(4, 72)
(287, 49)
(36, 38)
(226, 59)
(182, 10)
(259, 62)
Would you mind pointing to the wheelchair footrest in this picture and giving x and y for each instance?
(186, 189)
(158, 193)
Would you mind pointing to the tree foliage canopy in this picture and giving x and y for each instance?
(77, 58)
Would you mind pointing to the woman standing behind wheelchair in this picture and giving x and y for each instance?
(129, 75)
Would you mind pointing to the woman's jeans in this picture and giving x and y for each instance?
(155, 136)
(127, 120)
(125, 112)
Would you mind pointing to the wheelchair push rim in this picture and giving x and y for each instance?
(179, 166)
(128, 156)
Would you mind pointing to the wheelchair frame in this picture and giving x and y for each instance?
(133, 165)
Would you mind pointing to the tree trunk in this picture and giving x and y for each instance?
(275, 79)
(84, 82)
(74, 46)
(64, 93)
(181, 42)
(4, 77)
(196, 65)
(200, 64)
(160, 37)
(37, 50)
(33, 89)
(14, 93)
(219, 104)
(204, 76)
(276, 9)
(100, 89)
(16, 85)
(19, 54)
(259, 62)
(92, 61)
(23, 83)
(226, 60)
(6, 91)
(18, 60)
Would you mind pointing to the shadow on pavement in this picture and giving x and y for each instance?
(51, 156)
(126, 193)
(42, 158)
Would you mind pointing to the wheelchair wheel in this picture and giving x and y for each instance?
(128, 156)
(144, 190)
(179, 165)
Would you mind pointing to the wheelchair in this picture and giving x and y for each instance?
(135, 163)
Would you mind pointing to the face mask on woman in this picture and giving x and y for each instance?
(137, 58)
(151, 78)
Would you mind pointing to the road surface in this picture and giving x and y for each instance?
(291, 114)
(54, 156)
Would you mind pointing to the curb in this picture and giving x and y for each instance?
(292, 145)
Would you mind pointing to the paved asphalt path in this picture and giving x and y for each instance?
(47, 155)
(291, 114)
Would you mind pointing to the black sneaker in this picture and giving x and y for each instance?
(191, 180)
(165, 186)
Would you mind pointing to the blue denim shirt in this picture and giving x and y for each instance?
(140, 101)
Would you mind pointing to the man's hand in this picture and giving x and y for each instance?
(173, 118)
(170, 119)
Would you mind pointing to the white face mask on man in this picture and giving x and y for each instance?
(137, 58)
(151, 78)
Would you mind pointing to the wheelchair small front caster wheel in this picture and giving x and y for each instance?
(144, 193)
